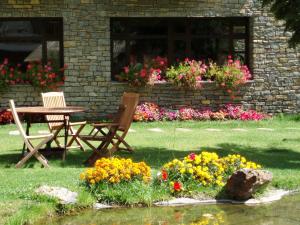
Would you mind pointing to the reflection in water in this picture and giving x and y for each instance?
(283, 212)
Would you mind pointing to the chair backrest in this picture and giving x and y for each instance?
(130, 101)
(52, 100)
(17, 120)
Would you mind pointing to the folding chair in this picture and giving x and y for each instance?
(129, 101)
(33, 151)
(57, 99)
(103, 148)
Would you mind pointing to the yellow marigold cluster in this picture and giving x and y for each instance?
(206, 168)
(238, 161)
(115, 170)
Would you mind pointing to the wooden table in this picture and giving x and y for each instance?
(31, 113)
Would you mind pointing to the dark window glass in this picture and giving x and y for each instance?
(140, 39)
(180, 50)
(24, 40)
(19, 29)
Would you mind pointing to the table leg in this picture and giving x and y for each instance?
(66, 125)
(28, 124)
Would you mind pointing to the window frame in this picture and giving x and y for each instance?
(187, 36)
(44, 38)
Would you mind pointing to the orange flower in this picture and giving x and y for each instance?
(164, 175)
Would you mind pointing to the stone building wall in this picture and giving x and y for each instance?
(276, 68)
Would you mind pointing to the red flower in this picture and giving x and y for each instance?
(29, 66)
(164, 175)
(192, 156)
(177, 186)
(143, 73)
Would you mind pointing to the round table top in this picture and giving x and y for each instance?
(50, 111)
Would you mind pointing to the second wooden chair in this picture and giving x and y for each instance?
(57, 99)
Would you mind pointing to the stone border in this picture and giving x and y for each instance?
(270, 196)
(67, 197)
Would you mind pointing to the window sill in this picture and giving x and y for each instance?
(169, 83)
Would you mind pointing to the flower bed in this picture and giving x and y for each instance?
(121, 181)
(206, 169)
(187, 74)
(149, 111)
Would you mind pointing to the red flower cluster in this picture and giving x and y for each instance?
(36, 74)
(6, 117)
(149, 72)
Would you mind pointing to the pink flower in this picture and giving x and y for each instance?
(5, 62)
(192, 156)
(126, 69)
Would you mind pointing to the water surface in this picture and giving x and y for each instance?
(283, 212)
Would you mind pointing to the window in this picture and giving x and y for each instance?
(138, 39)
(23, 40)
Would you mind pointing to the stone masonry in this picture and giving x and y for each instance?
(276, 68)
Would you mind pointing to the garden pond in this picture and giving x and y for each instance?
(283, 212)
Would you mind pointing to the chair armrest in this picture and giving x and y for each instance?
(105, 124)
(40, 136)
(77, 123)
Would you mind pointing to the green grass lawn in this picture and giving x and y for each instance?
(278, 150)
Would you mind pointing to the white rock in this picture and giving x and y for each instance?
(156, 130)
(270, 196)
(266, 129)
(14, 133)
(179, 201)
(183, 130)
(64, 195)
(213, 129)
(101, 206)
(131, 130)
(239, 129)
(43, 132)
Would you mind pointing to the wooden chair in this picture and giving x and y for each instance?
(106, 146)
(33, 151)
(130, 102)
(57, 99)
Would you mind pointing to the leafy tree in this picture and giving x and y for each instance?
(289, 11)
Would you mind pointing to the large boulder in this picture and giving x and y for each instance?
(245, 182)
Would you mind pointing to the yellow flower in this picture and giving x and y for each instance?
(182, 171)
